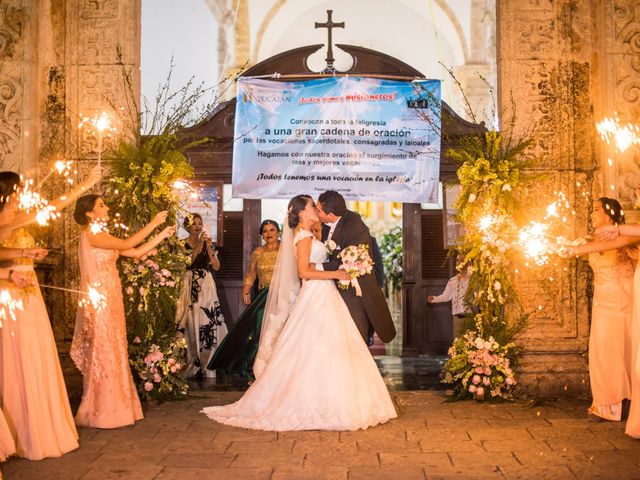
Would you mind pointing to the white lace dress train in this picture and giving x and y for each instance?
(320, 375)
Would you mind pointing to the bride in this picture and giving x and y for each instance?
(313, 370)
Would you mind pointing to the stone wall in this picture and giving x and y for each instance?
(57, 61)
(564, 65)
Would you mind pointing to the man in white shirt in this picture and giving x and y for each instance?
(454, 292)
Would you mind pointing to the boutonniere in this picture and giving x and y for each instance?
(331, 246)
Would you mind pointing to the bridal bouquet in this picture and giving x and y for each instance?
(480, 368)
(356, 261)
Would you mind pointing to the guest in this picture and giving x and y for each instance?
(455, 292)
(199, 314)
(237, 351)
(34, 396)
(611, 317)
(99, 347)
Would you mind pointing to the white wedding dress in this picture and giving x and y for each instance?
(320, 374)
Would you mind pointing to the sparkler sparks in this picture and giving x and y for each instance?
(535, 242)
(29, 200)
(97, 300)
(92, 297)
(102, 125)
(8, 306)
(623, 136)
(97, 226)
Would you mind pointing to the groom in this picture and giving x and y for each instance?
(346, 228)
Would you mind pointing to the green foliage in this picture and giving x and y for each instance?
(391, 250)
(141, 186)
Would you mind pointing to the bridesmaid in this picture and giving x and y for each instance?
(611, 317)
(34, 396)
(620, 235)
(199, 314)
(237, 351)
(99, 347)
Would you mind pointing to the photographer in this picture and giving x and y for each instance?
(199, 314)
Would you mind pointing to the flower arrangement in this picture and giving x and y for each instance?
(490, 177)
(356, 261)
(157, 366)
(480, 368)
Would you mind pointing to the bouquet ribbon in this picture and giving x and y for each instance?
(354, 283)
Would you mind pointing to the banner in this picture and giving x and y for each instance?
(367, 138)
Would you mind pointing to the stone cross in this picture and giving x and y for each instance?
(329, 25)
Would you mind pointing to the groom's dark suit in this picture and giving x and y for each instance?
(371, 309)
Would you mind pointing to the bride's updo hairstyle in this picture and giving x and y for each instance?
(84, 205)
(613, 209)
(9, 183)
(296, 205)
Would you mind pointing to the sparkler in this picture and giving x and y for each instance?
(29, 200)
(93, 297)
(64, 168)
(8, 306)
(101, 123)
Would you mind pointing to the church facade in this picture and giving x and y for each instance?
(563, 64)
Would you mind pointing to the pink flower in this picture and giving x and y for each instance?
(510, 381)
(476, 379)
(157, 378)
(165, 272)
(141, 291)
(472, 389)
(173, 369)
(129, 290)
(171, 361)
(140, 268)
(487, 371)
(137, 340)
(486, 381)
(171, 283)
(153, 370)
(155, 266)
(148, 386)
(479, 370)
(480, 392)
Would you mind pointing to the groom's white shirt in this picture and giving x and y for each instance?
(332, 227)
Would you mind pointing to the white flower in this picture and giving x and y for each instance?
(472, 198)
(506, 187)
(497, 285)
(331, 245)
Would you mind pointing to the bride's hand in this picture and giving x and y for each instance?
(342, 275)
(608, 232)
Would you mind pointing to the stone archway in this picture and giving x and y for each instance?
(425, 331)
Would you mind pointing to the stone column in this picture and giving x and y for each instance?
(546, 71)
(478, 75)
(102, 40)
(58, 60)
